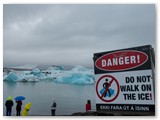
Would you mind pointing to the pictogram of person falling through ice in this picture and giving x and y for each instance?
(109, 92)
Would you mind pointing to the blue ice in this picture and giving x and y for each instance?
(11, 77)
(107, 94)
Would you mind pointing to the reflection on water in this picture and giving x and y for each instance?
(70, 98)
(10, 85)
(28, 83)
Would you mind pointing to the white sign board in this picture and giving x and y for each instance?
(134, 87)
(128, 86)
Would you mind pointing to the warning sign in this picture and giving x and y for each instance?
(132, 87)
(138, 58)
(125, 80)
(121, 60)
(107, 88)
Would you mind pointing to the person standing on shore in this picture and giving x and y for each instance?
(53, 107)
(88, 105)
(9, 104)
(18, 107)
(26, 109)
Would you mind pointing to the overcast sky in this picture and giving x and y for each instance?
(70, 34)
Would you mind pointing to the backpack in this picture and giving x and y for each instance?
(54, 104)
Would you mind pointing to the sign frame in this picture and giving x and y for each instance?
(147, 65)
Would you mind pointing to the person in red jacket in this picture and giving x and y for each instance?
(88, 105)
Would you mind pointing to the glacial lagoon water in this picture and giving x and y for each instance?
(70, 98)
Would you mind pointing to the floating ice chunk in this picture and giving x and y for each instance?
(36, 71)
(60, 67)
(75, 78)
(33, 79)
(11, 77)
(78, 75)
(26, 72)
(24, 76)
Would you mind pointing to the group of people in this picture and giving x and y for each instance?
(54, 105)
(9, 104)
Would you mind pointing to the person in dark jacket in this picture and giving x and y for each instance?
(105, 85)
(53, 107)
(9, 103)
(88, 105)
(18, 107)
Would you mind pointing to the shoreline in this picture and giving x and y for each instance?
(95, 113)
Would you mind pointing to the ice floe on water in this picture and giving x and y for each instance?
(12, 76)
(75, 78)
(78, 75)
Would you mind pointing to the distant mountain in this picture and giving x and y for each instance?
(24, 67)
(41, 67)
(66, 67)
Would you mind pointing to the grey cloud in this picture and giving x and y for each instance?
(75, 31)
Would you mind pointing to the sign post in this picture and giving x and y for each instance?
(125, 81)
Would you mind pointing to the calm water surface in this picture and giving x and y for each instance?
(69, 98)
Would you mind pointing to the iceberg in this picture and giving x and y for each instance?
(26, 72)
(31, 79)
(12, 76)
(36, 71)
(60, 67)
(75, 78)
(78, 75)
(20, 77)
